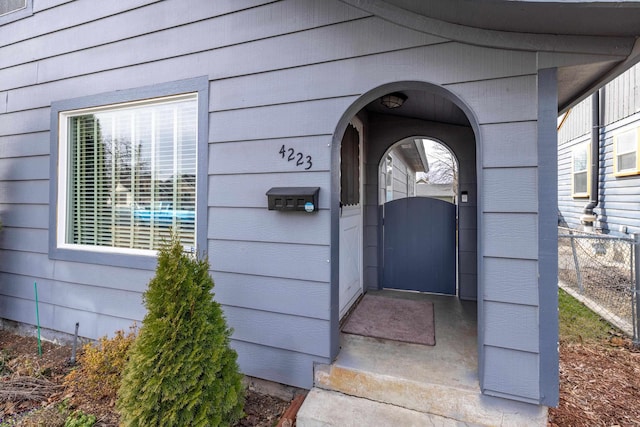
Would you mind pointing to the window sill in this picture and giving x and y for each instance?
(626, 173)
(114, 259)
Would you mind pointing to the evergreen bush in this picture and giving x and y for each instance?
(181, 369)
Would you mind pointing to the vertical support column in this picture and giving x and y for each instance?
(548, 235)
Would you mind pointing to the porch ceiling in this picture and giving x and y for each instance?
(424, 106)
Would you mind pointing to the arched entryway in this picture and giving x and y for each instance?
(428, 111)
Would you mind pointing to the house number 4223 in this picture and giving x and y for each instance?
(292, 156)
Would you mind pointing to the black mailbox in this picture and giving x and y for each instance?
(293, 198)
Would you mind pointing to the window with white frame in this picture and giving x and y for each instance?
(625, 148)
(127, 175)
(580, 170)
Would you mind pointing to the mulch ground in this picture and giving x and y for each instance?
(599, 385)
(29, 382)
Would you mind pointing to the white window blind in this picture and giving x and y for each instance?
(131, 175)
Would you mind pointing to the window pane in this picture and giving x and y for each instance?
(8, 6)
(626, 142)
(580, 182)
(627, 161)
(132, 176)
(580, 159)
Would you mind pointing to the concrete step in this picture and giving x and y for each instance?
(439, 381)
(461, 404)
(323, 408)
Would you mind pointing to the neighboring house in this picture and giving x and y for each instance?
(616, 168)
(192, 111)
(398, 170)
(437, 191)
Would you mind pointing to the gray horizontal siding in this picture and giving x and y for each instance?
(510, 190)
(32, 144)
(518, 371)
(252, 189)
(304, 262)
(286, 227)
(309, 336)
(511, 326)
(170, 42)
(131, 23)
(274, 294)
(27, 216)
(48, 4)
(276, 364)
(24, 239)
(500, 100)
(62, 319)
(319, 80)
(316, 117)
(24, 192)
(509, 144)
(64, 16)
(263, 156)
(121, 303)
(510, 235)
(24, 168)
(510, 280)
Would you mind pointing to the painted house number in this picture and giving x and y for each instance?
(291, 155)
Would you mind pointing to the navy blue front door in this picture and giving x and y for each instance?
(419, 241)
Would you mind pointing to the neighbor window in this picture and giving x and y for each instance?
(580, 171)
(625, 159)
(9, 6)
(12, 10)
(127, 175)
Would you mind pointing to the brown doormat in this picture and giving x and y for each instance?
(393, 319)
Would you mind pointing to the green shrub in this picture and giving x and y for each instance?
(181, 370)
(80, 419)
(100, 368)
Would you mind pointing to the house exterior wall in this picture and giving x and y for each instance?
(272, 82)
(619, 202)
(403, 179)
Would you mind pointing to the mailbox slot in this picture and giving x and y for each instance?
(293, 198)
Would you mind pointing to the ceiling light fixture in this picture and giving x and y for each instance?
(393, 100)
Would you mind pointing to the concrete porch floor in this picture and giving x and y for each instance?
(410, 384)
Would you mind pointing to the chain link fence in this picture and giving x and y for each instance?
(601, 271)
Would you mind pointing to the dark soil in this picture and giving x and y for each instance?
(29, 382)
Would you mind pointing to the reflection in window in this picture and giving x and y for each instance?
(131, 174)
(580, 170)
